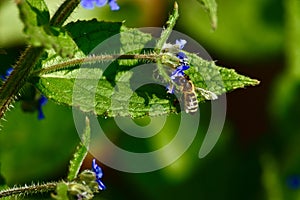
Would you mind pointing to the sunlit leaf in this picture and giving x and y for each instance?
(35, 16)
(207, 75)
(109, 88)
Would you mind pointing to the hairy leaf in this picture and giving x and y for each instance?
(35, 16)
(219, 80)
(118, 88)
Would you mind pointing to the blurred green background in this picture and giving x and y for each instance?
(257, 155)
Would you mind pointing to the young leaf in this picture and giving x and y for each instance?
(35, 16)
(80, 153)
(33, 13)
(166, 32)
(211, 7)
(61, 192)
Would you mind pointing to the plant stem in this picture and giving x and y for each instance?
(63, 12)
(27, 190)
(16, 80)
(93, 59)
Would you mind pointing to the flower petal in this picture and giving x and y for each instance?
(42, 101)
(100, 3)
(40, 113)
(7, 73)
(170, 89)
(101, 186)
(87, 4)
(97, 169)
(181, 55)
(183, 67)
(181, 43)
(113, 5)
(177, 72)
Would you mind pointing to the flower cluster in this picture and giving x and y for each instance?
(184, 65)
(89, 4)
(98, 171)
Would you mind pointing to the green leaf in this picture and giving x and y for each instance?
(80, 153)
(166, 32)
(59, 87)
(219, 80)
(211, 7)
(33, 13)
(61, 191)
(35, 16)
(89, 34)
(110, 92)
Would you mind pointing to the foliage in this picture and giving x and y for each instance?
(58, 60)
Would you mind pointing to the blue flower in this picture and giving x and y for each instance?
(181, 43)
(41, 102)
(179, 71)
(8, 72)
(89, 4)
(293, 182)
(183, 65)
(98, 171)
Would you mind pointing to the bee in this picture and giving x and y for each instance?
(189, 96)
(180, 82)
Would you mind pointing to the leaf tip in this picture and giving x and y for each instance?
(175, 5)
(214, 23)
(256, 82)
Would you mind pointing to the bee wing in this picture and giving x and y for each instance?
(207, 94)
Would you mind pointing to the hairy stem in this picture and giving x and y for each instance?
(70, 64)
(27, 190)
(63, 12)
(18, 77)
